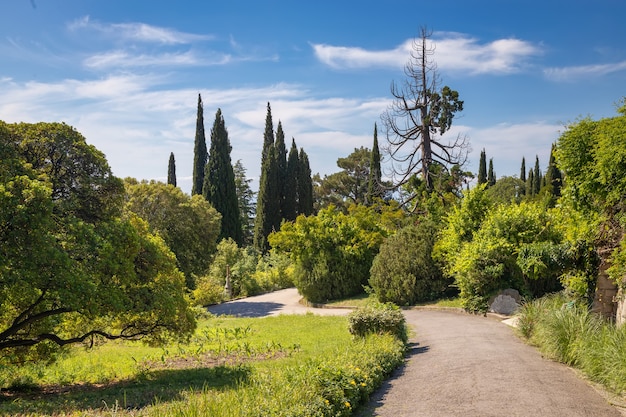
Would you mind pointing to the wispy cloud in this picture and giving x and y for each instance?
(583, 71)
(125, 59)
(454, 52)
(140, 32)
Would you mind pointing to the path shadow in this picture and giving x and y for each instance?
(376, 399)
(245, 309)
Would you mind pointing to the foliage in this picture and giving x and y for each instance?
(219, 181)
(378, 318)
(404, 271)
(274, 271)
(375, 187)
(290, 206)
(482, 168)
(305, 185)
(281, 167)
(71, 270)
(507, 190)
(200, 152)
(171, 170)
(189, 225)
(246, 202)
(333, 251)
(566, 331)
(268, 208)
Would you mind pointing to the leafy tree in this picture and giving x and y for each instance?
(404, 271)
(290, 206)
(419, 114)
(305, 185)
(190, 226)
(491, 176)
(349, 186)
(200, 153)
(219, 181)
(507, 190)
(375, 188)
(482, 168)
(332, 251)
(247, 206)
(171, 170)
(72, 270)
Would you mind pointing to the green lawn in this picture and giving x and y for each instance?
(285, 365)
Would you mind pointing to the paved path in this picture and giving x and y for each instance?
(460, 365)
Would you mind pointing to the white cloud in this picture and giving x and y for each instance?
(140, 32)
(123, 59)
(583, 71)
(453, 51)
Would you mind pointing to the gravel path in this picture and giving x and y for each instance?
(459, 365)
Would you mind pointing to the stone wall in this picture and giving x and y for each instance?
(605, 298)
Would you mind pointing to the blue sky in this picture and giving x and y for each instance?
(127, 74)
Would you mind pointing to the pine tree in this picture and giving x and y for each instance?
(537, 180)
(290, 207)
(491, 176)
(219, 181)
(247, 206)
(171, 170)
(200, 154)
(374, 187)
(482, 168)
(281, 167)
(305, 185)
(268, 209)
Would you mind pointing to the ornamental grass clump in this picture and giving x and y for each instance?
(378, 318)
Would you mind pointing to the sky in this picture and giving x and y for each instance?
(127, 74)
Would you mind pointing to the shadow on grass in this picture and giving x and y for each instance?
(245, 308)
(164, 385)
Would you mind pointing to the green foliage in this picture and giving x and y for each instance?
(268, 204)
(247, 207)
(374, 185)
(507, 190)
(566, 331)
(290, 206)
(171, 170)
(189, 225)
(200, 153)
(274, 271)
(378, 318)
(404, 271)
(219, 181)
(351, 184)
(305, 185)
(332, 251)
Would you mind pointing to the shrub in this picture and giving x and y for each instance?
(378, 318)
(274, 271)
(404, 271)
(209, 290)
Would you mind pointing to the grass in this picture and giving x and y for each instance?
(569, 333)
(285, 365)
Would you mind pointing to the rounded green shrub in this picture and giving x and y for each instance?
(378, 318)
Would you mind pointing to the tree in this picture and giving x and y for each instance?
(190, 226)
(491, 176)
(71, 269)
(349, 186)
(268, 208)
(290, 206)
(482, 168)
(281, 168)
(268, 134)
(247, 206)
(219, 181)
(537, 178)
(171, 170)
(419, 115)
(200, 154)
(522, 175)
(530, 183)
(374, 184)
(554, 177)
(305, 185)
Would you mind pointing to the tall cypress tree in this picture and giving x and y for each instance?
(171, 170)
(554, 177)
(482, 168)
(374, 187)
(268, 209)
(491, 175)
(530, 183)
(291, 184)
(268, 134)
(522, 171)
(537, 177)
(200, 154)
(219, 181)
(305, 185)
(281, 167)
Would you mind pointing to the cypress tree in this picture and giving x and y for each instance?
(305, 185)
(522, 172)
(554, 176)
(491, 176)
(200, 154)
(291, 184)
(171, 170)
(268, 135)
(482, 168)
(268, 209)
(530, 183)
(537, 180)
(374, 186)
(281, 167)
(247, 205)
(219, 181)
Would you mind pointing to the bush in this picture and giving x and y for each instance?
(378, 318)
(404, 271)
(274, 271)
(209, 290)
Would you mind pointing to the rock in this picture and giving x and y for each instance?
(505, 302)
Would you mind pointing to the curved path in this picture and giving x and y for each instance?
(460, 365)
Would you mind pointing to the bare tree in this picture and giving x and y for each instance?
(418, 117)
